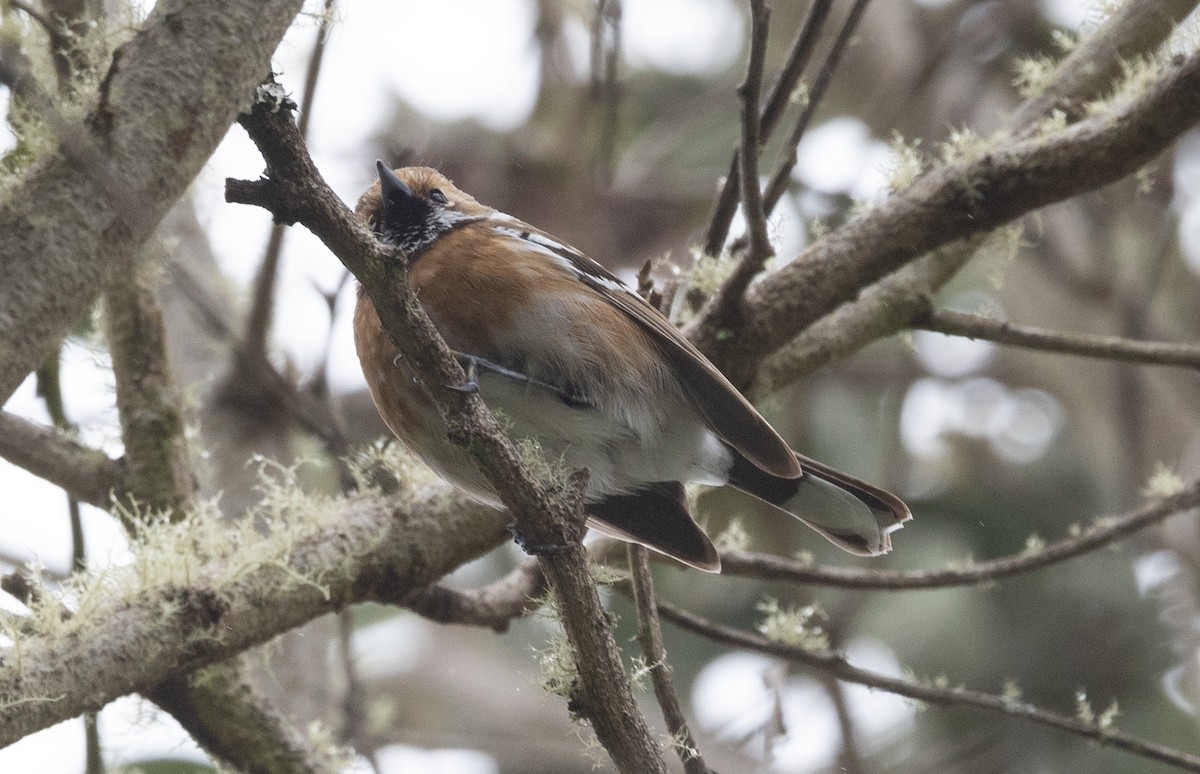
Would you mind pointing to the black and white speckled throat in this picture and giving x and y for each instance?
(414, 238)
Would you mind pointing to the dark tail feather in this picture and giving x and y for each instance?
(852, 514)
(657, 516)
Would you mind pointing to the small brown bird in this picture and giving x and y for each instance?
(599, 378)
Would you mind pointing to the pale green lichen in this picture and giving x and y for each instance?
(1163, 482)
(1011, 695)
(708, 273)
(795, 625)
(1034, 545)
(1108, 717)
(1137, 75)
(1083, 708)
(733, 538)
(1033, 74)
(200, 550)
(552, 471)
(907, 162)
(1000, 250)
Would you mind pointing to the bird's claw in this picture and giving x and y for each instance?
(470, 364)
(533, 547)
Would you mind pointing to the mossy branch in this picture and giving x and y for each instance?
(836, 665)
(951, 203)
(152, 622)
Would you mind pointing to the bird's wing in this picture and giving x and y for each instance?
(723, 409)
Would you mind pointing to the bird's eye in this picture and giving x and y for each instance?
(438, 196)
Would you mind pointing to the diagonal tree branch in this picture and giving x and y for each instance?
(952, 202)
(1135, 29)
(353, 551)
(295, 192)
(86, 473)
(836, 665)
(894, 302)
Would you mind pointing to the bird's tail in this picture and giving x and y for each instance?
(850, 513)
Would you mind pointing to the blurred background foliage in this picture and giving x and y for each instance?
(991, 446)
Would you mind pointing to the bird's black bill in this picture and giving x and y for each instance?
(403, 211)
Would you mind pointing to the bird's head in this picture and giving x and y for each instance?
(411, 207)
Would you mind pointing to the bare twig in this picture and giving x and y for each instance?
(778, 184)
(262, 302)
(49, 388)
(605, 90)
(650, 638)
(1104, 532)
(295, 192)
(837, 665)
(1102, 347)
(777, 102)
(86, 473)
(752, 202)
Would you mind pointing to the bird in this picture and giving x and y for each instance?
(579, 363)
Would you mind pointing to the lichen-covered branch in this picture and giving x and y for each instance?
(169, 613)
(952, 202)
(168, 98)
(221, 710)
(1104, 532)
(1096, 730)
(890, 305)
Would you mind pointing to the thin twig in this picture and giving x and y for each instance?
(495, 605)
(605, 90)
(49, 389)
(778, 100)
(951, 202)
(1104, 532)
(262, 304)
(779, 180)
(892, 303)
(1085, 345)
(752, 201)
(45, 452)
(649, 636)
(837, 665)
